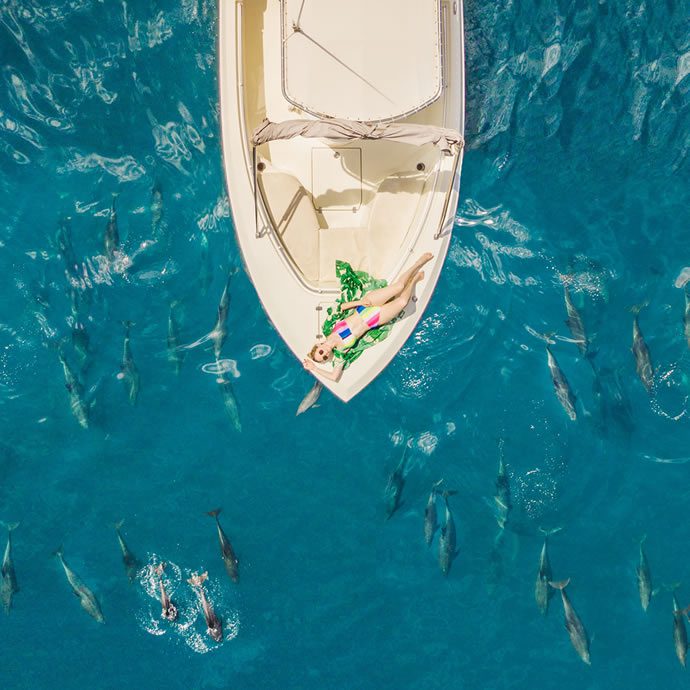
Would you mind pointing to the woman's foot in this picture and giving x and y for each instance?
(423, 259)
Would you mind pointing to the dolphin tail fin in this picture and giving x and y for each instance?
(672, 587)
(214, 513)
(58, 552)
(562, 584)
(590, 355)
(10, 526)
(637, 308)
(549, 532)
(436, 486)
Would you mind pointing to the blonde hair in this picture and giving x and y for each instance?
(312, 352)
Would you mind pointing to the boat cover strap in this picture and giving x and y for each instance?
(339, 130)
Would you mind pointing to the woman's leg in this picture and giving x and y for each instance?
(390, 310)
(377, 298)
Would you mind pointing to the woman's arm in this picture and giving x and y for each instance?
(333, 375)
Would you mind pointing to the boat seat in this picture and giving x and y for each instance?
(393, 210)
(344, 244)
(294, 218)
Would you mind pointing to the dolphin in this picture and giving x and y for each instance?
(156, 209)
(128, 369)
(80, 336)
(111, 240)
(502, 497)
(220, 330)
(643, 360)
(644, 577)
(612, 401)
(132, 564)
(232, 565)
(168, 609)
(214, 626)
(447, 544)
(310, 398)
(686, 318)
(563, 391)
(395, 485)
(575, 323)
(87, 598)
(206, 269)
(573, 624)
(63, 239)
(8, 580)
(430, 517)
(680, 634)
(542, 591)
(230, 401)
(175, 354)
(76, 399)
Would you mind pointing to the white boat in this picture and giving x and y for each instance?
(342, 128)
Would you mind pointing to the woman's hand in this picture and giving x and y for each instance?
(308, 364)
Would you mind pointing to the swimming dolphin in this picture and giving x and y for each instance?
(8, 580)
(111, 240)
(502, 497)
(560, 383)
(447, 543)
(220, 330)
(230, 401)
(430, 517)
(76, 400)
(232, 565)
(686, 318)
(86, 597)
(175, 354)
(613, 403)
(80, 337)
(132, 564)
(394, 486)
(575, 323)
(542, 591)
(643, 360)
(680, 634)
(206, 269)
(644, 577)
(156, 210)
(310, 398)
(573, 624)
(63, 239)
(168, 609)
(129, 373)
(214, 626)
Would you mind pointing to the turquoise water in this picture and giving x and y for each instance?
(578, 164)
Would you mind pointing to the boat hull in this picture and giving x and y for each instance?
(296, 307)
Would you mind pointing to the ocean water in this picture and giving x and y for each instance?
(577, 170)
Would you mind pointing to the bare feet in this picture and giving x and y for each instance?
(424, 258)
